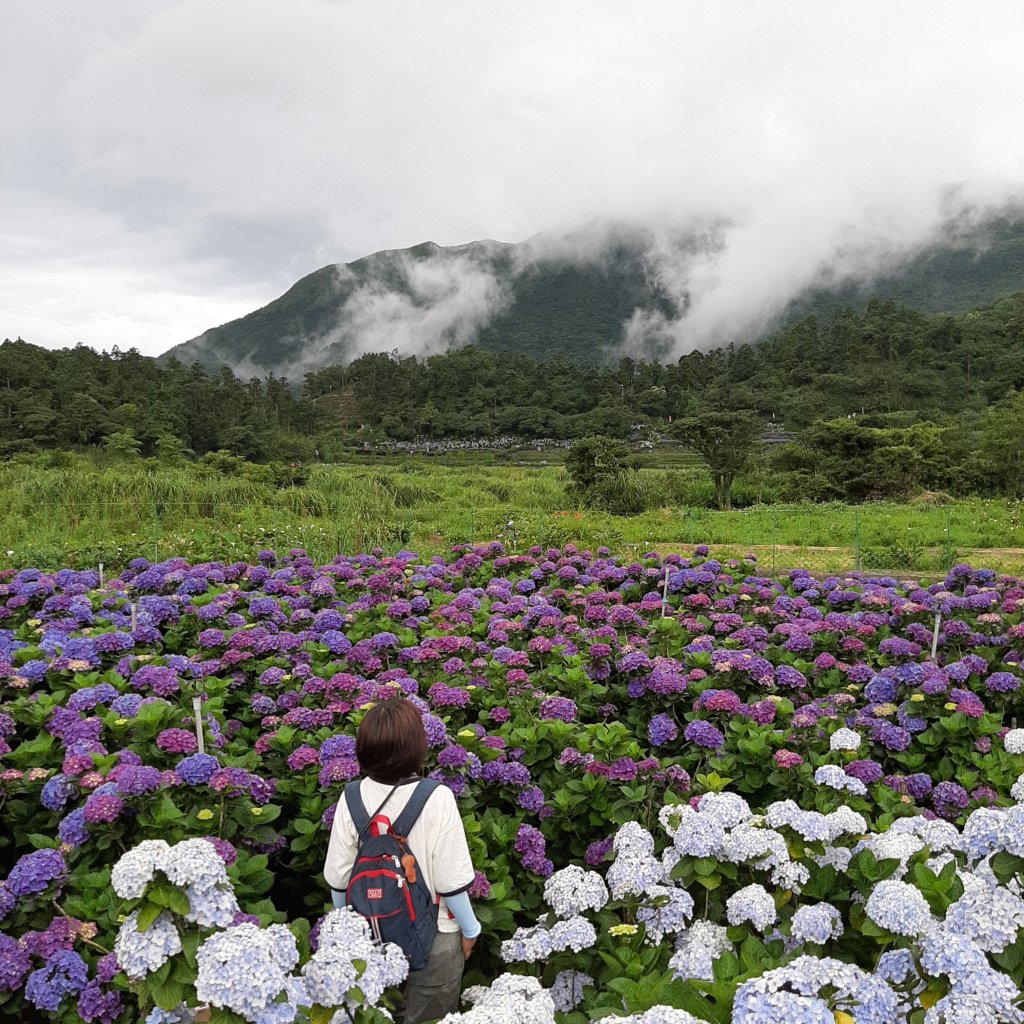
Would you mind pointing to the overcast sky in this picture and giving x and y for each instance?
(169, 166)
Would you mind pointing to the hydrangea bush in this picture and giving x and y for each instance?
(680, 807)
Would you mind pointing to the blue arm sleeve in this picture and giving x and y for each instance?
(462, 911)
(338, 899)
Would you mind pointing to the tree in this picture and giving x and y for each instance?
(602, 475)
(724, 441)
(122, 444)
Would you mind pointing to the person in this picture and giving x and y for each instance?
(391, 746)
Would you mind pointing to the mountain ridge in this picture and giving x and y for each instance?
(572, 296)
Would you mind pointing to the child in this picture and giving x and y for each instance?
(391, 747)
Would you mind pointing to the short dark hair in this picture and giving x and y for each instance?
(391, 743)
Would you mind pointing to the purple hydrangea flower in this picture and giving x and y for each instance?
(102, 807)
(35, 871)
(558, 709)
(64, 974)
(704, 734)
(196, 769)
(661, 730)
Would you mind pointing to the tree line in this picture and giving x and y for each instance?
(879, 401)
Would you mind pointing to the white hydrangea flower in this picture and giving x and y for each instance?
(573, 890)
(1017, 789)
(781, 812)
(1013, 741)
(845, 821)
(141, 952)
(655, 1015)
(342, 925)
(747, 842)
(844, 739)
(899, 908)
(134, 870)
(699, 835)
(670, 817)
(834, 777)
(812, 826)
(837, 857)
(892, 845)
(936, 834)
(633, 837)
(753, 904)
(791, 875)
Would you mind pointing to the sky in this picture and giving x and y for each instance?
(168, 166)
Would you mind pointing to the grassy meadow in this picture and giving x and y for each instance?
(81, 514)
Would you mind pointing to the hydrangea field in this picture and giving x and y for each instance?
(692, 792)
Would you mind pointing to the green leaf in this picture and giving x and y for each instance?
(148, 913)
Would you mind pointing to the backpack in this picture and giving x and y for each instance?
(386, 885)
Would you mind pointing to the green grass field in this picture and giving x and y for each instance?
(81, 515)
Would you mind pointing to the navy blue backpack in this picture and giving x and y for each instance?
(386, 885)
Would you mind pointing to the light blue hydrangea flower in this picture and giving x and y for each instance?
(696, 950)
(214, 907)
(832, 776)
(510, 997)
(141, 952)
(573, 890)
(667, 912)
(194, 863)
(899, 908)
(753, 904)
(990, 915)
(181, 1014)
(527, 945)
(818, 923)
(567, 989)
(575, 933)
(728, 809)
(244, 968)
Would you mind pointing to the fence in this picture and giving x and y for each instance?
(890, 539)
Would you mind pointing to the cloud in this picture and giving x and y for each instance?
(226, 150)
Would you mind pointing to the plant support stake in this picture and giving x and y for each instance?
(935, 634)
(664, 595)
(134, 620)
(101, 575)
(197, 709)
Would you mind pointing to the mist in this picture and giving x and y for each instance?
(170, 166)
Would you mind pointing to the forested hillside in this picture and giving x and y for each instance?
(888, 362)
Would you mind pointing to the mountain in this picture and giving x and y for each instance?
(579, 297)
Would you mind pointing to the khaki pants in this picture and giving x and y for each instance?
(433, 991)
